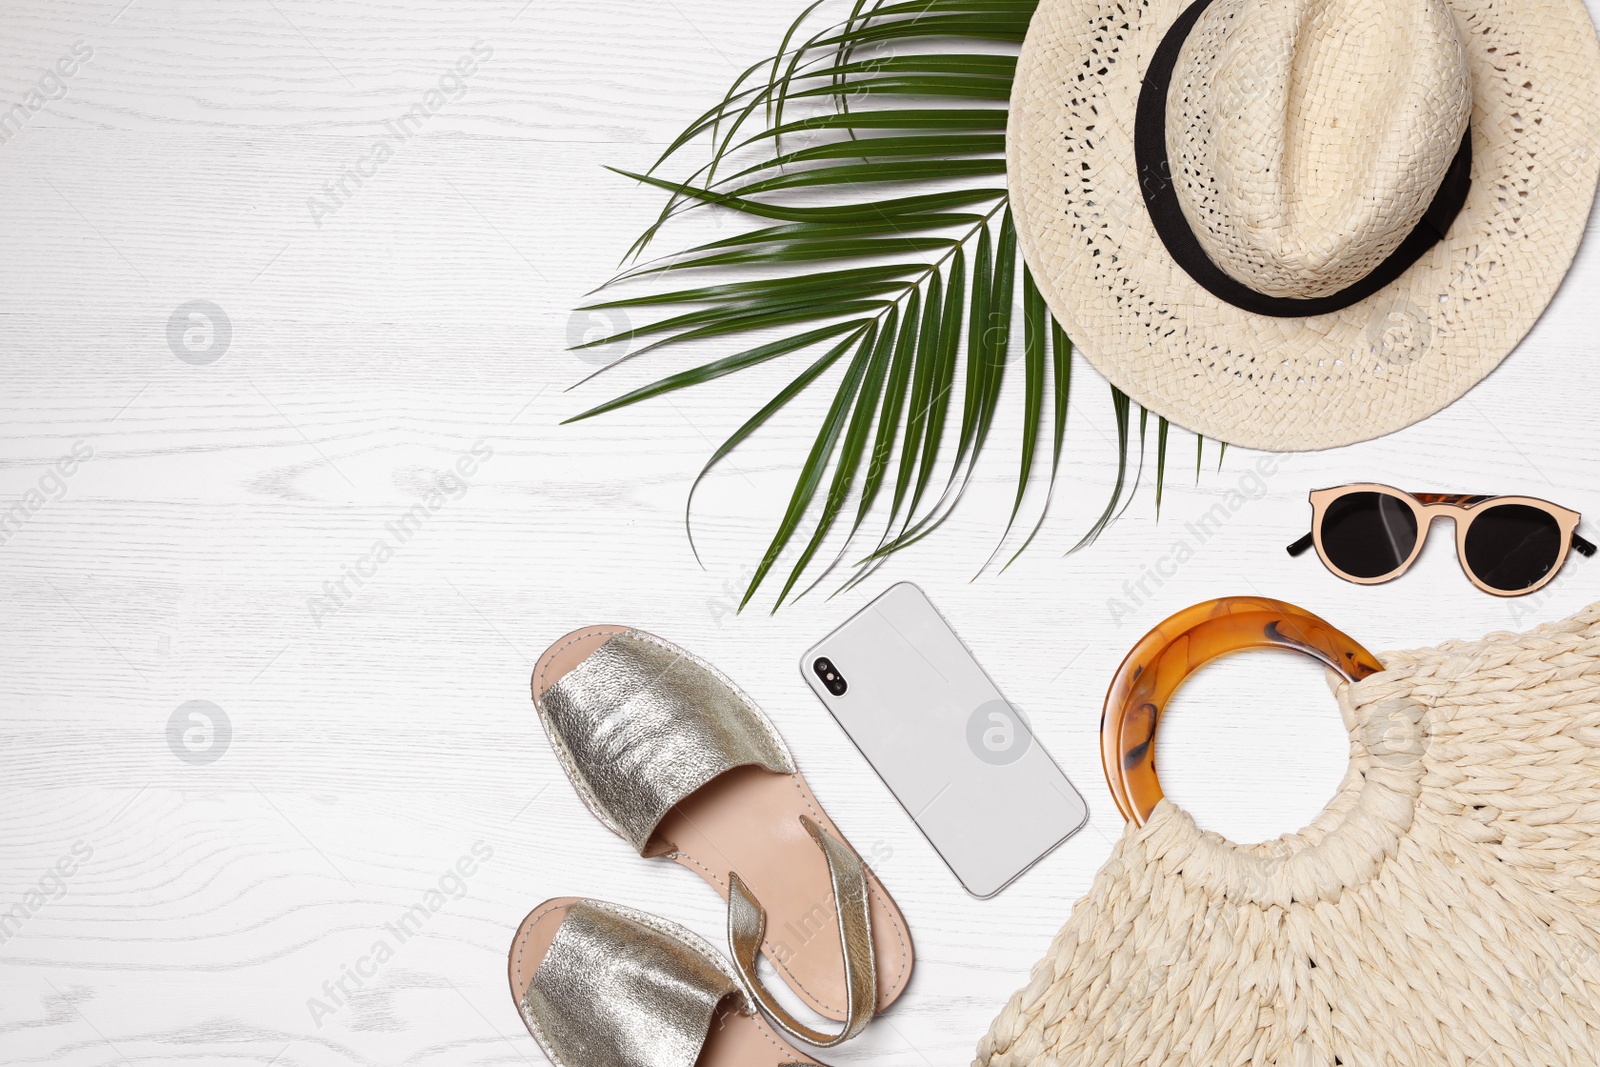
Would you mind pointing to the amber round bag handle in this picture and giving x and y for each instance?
(1172, 651)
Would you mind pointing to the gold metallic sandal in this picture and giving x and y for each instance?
(600, 985)
(677, 761)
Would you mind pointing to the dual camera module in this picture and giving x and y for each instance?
(830, 676)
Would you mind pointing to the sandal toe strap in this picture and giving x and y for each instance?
(641, 724)
(620, 988)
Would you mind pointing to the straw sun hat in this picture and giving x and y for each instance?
(1294, 224)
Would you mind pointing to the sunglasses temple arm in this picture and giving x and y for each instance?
(1299, 547)
(1579, 544)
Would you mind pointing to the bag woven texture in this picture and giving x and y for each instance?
(1443, 909)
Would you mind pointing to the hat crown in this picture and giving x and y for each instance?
(1307, 138)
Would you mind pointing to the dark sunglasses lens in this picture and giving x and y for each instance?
(1511, 546)
(1367, 534)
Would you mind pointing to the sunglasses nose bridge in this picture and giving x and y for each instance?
(1431, 507)
(1431, 515)
(1457, 517)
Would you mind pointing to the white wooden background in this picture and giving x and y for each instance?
(370, 748)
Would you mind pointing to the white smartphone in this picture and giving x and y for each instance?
(961, 760)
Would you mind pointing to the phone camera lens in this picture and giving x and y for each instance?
(830, 676)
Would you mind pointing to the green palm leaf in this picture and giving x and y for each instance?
(871, 151)
(1061, 369)
(752, 424)
(816, 463)
(855, 440)
(1034, 318)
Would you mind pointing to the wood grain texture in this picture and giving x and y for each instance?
(374, 746)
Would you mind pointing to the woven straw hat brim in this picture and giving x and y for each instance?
(1334, 379)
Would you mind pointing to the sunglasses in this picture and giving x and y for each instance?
(1507, 545)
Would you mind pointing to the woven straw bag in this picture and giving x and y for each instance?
(1441, 910)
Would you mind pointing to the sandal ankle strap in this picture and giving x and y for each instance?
(747, 926)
